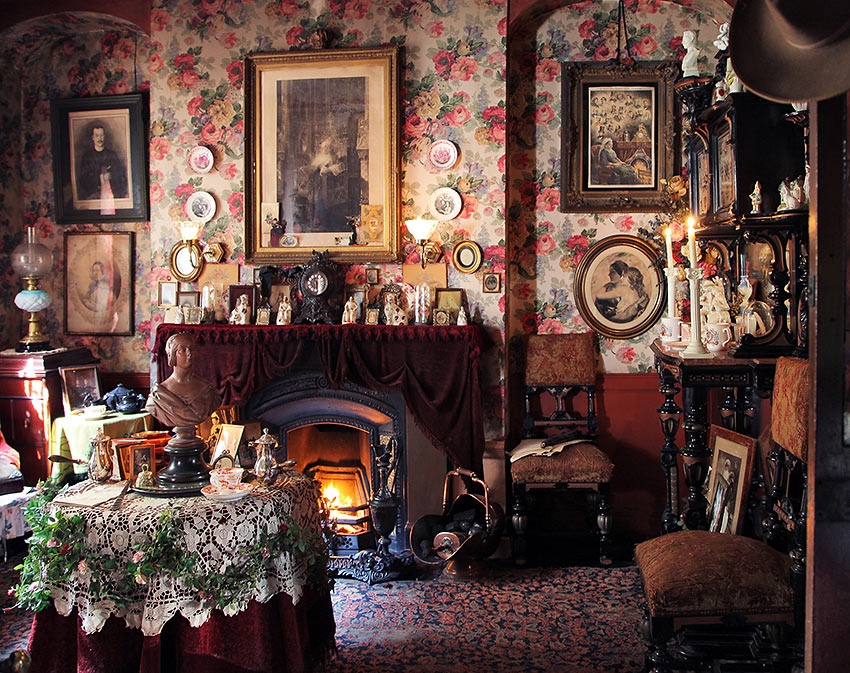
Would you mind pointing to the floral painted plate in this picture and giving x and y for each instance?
(218, 494)
(443, 154)
(200, 159)
(446, 203)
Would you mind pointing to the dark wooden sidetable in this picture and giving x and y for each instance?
(742, 380)
(30, 398)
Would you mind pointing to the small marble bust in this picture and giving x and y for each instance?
(690, 66)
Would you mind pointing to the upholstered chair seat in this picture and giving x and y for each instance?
(688, 574)
(581, 463)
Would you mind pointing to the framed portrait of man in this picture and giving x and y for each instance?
(99, 274)
(100, 159)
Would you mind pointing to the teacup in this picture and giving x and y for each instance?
(718, 336)
(670, 329)
(226, 477)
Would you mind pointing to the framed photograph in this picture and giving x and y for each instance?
(619, 137)
(263, 316)
(79, 385)
(724, 168)
(100, 159)
(192, 315)
(99, 272)
(699, 170)
(373, 276)
(188, 298)
(450, 300)
(142, 457)
(620, 286)
(227, 444)
(467, 256)
(167, 293)
(732, 460)
(322, 144)
(492, 282)
(237, 291)
(373, 316)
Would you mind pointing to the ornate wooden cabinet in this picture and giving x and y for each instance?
(760, 251)
(30, 398)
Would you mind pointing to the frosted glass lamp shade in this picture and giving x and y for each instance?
(32, 300)
(31, 258)
(421, 230)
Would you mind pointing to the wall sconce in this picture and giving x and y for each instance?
(189, 230)
(186, 261)
(421, 230)
(31, 261)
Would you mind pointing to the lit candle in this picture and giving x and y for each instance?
(668, 236)
(692, 243)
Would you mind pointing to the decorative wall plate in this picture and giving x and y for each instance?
(446, 203)
(443, 154)
(201, 159)
(200, 207)
(467, 256)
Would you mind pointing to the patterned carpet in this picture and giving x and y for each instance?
(552, 620)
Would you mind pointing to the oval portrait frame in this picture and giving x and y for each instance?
(619, 286)
(467, 256)
(200, 207)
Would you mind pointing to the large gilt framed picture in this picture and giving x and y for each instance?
(99, 283)
(322, 155)
(619, 287)
(619, 135)
(100, 159)
(732, 458)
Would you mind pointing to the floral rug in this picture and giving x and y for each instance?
(535, 620)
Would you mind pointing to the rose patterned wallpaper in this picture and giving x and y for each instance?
(453, 87)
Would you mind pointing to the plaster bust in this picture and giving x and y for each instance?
(690, 67)
(183, 399)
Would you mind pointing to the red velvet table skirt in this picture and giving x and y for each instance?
(266, 637)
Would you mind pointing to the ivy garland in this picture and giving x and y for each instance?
(57, 549)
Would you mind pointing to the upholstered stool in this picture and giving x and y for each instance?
(561, 366)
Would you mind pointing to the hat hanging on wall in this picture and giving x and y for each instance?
(788, 50)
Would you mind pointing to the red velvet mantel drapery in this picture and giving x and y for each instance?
(436, 369)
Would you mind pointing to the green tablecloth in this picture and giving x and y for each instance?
(72, 435)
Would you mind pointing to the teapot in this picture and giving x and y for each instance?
(131, 403)
(266, 468)
(100, 461)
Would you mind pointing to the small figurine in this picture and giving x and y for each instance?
(239, 314)
(393, 313)
(461, 317)
(721, 42)
(790, 193)
(284, 311)
(145, 478)
(690, 67)
(755, 198)
(349, 312)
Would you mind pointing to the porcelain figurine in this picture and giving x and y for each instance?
(690, 66)
(755, 198)
(239, 314)
(393, 313)
(349, 312)
(284, 311)
(461, 317)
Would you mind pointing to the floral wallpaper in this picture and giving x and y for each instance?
(547, 245)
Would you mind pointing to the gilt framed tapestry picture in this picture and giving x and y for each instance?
(619, 135)
(100, 159)
(99, 274)
(322, 155)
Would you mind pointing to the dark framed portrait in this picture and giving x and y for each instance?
(619, 137)
(237, 291)
(100, 159)
(620, 286)
(492, 282)
(99, 274)
(321, 144)
(79, 386)
(723, 159)
(699, 170)
(732, 459)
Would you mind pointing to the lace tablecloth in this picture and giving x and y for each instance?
(214, 530)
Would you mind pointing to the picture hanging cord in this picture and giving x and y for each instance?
(622, 31)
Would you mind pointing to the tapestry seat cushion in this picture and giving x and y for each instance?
(581, 463)
(693, 573)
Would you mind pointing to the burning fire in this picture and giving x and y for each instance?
(335, 499)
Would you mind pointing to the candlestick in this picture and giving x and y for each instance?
(671, 325)
(692, 243)
(668, 236)
(671, 273)
(695, 348)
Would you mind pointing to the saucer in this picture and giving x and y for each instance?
(676, 345)
(227, 494)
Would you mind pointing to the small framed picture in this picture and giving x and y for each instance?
(227, 444)
(167, 293)
(732, 460)
(263, 316)
(359, 294)
(449, 299)
(192, 315)
(492, 282)
(246, 290)
(373, 316)
(142, 458)
(173, 314)
(442, 317)
(372, 275)
(188, 298)
(79, 385)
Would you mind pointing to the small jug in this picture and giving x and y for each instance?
(100, 461)
(718, 336)
(266, 468)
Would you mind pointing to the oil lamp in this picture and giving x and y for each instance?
(31, 261)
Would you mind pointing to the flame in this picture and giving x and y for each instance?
(335, 499)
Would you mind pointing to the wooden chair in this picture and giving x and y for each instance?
(562, 366)
(731, 601)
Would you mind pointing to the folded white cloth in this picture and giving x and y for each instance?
(535, 447)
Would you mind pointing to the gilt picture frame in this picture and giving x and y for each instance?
(100, 159)
(99, 280)
(322, 155)
(619, 135)
(620, 287)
